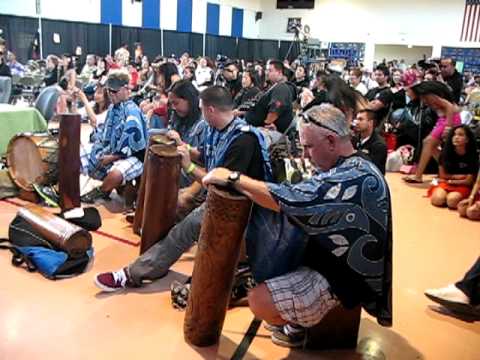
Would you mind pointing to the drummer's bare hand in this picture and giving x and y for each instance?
(184, 200)
(218, 176)
(107, 159)
(185, 153)
(172, 134)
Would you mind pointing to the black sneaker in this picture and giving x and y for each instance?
(272, 328)
(292, 336)
(94, 195)
(242, 283)
(48, 194)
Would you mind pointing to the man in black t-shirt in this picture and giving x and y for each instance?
(369, 141)
(233, 78)
(274, 108)
(452, 77)
(229, 143)
(381, 97)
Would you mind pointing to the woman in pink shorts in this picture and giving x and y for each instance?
(437, 96)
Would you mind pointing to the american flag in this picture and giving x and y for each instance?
(471, 21)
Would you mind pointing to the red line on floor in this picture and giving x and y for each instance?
(12, 202)
(116, 238)
(110, 236)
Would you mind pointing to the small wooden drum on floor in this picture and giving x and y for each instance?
(33, 158)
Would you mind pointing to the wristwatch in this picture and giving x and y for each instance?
(233, 177)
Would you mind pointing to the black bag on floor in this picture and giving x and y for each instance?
(32, 250)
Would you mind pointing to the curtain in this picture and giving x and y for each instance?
(178, 42)
(125, 35)
(19, 33)
(151, 41)
(92, 38)
(221, 45)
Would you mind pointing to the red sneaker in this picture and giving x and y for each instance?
(112, 281)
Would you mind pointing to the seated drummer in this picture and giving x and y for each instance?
(118, 151)
(229, 142)
(332, 242)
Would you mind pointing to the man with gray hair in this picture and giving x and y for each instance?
(322, 242)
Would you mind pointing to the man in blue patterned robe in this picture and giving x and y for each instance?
(117, 154)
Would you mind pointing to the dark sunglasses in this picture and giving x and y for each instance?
(308, 119)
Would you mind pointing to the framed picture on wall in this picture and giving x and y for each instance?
(294, 25)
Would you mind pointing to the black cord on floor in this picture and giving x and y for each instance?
(247, 340)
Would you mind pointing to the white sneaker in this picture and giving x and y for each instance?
(450, 294)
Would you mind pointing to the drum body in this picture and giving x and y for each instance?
(33, 158)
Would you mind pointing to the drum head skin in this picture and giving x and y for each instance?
(28, 159)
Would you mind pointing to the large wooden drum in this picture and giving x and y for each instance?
(155, 139)
(33, 158)
(161, 193)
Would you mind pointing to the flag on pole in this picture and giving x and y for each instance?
(471, 21)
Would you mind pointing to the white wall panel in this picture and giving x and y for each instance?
(85, 10)
(250, 26)
(199, 16)
(132, 13)
(416, 22)
(168, 14)
(18, 7)
(253, 5)
(225, 28)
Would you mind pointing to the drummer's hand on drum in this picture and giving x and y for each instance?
(185, 153)
(184, 200)
(107, 159)
(218, 176)
(172, 134)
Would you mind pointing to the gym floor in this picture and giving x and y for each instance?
(71, 319)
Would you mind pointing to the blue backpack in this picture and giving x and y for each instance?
(31, 250)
